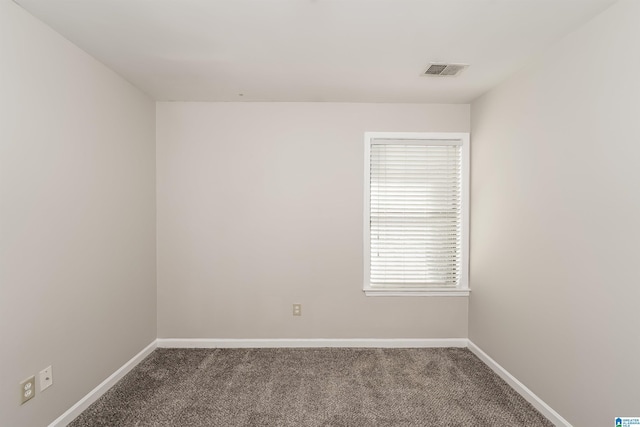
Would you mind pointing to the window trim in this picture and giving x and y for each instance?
(462, 289)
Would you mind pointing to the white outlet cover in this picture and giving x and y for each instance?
(46, 378)
(27, 389)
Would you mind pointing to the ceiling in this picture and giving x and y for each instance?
(313, 50)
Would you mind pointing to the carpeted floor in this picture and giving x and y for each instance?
(311, 387)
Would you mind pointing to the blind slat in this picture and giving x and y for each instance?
(415, 214)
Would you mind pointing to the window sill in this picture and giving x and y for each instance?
(435, 292)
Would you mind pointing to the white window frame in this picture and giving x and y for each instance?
(462, 288)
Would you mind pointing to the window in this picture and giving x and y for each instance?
(416, 221)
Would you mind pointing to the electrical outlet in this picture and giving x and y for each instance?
(27, 389)
(297, 309)
(46, 378)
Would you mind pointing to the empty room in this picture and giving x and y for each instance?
(319, 213)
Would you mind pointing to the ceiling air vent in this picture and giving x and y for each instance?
(445, 69)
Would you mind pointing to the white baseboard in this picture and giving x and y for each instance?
(102, 388)
(94, 394)
(310, 342)
(528, 395)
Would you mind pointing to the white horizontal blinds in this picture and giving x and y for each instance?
(415, 218)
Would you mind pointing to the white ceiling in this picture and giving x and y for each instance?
(313, 50)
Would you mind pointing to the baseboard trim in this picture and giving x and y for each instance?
(527, 394)
(102, 388)
(310, 342)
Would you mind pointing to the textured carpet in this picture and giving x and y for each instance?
(311, 387)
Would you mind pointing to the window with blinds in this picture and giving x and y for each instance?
(415, 220)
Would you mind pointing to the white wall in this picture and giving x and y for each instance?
(77, 219)
(555, 234)
(260, 206)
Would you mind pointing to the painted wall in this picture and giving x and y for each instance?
(555, 233)
(260, 206)
(77, 219)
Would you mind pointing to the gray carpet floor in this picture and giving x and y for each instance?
(311, 387)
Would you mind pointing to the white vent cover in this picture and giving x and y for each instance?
(449, 70)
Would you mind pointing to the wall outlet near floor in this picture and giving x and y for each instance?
(297, 309)
(46, 378)
(27, 389)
